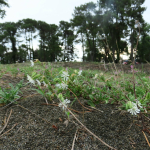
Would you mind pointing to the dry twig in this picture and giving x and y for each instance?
(90, 131)
(87, 128)
(8, 130)
(6, 122)
(74, 140)
(68, 108)
(34, 114)
(146, 139)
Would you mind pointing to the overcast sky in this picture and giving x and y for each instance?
(50, 11)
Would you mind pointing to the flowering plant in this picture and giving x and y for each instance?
(32, 63)
(63, 103)
(81, 84)
(133, 108)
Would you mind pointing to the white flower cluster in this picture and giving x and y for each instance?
(38, 82)
(65, 75)
(62, 86)
(134, 107)
(30, 79)
(32, 63)
(64, 104)
(96, 75)
(79, 73)
(46, 85)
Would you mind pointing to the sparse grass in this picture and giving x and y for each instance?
(116, 82)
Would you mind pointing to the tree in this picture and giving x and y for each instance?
(3, 49)
(118, 22)
(86, 26)
(143, 52)
(114, 24)
(22, 53)
(43, 29)
(49, 46)
(28, 26)
(79, 24)
(3, 3)
(134, 14)
(9, 34)
(67, 37)
(53, 43)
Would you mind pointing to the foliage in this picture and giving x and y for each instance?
(93, 88)
(102, 28)
(10, 94)
(3, 3)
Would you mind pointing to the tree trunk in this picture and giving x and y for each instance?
(132, 42)
(14, 50)
(94, 50)
(82, 46)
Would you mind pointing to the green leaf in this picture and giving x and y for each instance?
(91, 96)
(91, 103)
(68, 113)
(12, 87)
(36, 76)
(33, 74)
(39, 91)
(148, 96)
(75, 99)
(16, 96)
(2, 93)
(112, 101)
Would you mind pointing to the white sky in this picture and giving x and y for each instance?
(50, 11)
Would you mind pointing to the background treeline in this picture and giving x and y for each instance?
(104, 29)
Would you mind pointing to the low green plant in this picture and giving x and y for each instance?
(92, 86)
(11, 94)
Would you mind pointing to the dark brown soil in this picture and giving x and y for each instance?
(38, 126)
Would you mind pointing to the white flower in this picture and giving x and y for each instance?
(45, 84)
(134, 110)
(101, 74)
(75, 71)
(64, 104)
(145, 110)
(30, 79)
(96, 75)
(58, 85)
(138, 104)
(62, 86)
(32, 63)
(133, 107)
(39, 83)
(65, 75)
(79, 73)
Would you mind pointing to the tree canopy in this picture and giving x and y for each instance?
(105, 30)
(3, 3)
